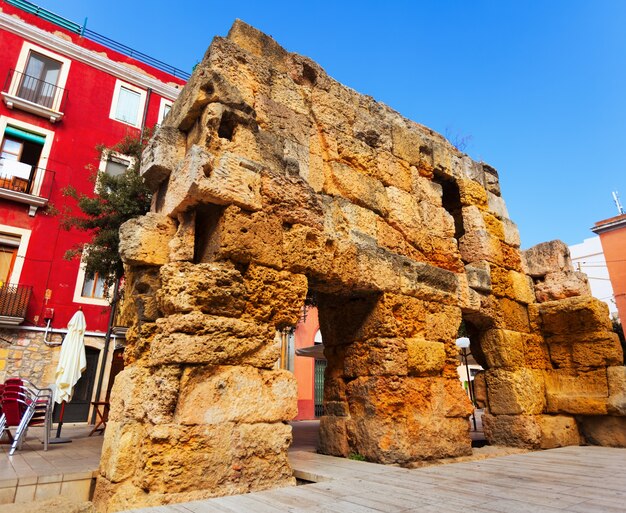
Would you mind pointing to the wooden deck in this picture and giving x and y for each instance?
(570, 479)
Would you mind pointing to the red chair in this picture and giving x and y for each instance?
(24, 405)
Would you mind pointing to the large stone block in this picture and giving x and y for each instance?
(144, 240)
(307, 251)
(197, 338)
(577, 393)
(162, 155)
(561, 285)
(214, 288)
(606, 431)
(333, 436)
(425, 358)
(217, 395)
(120, 450)
(479, 276)
(141, 394)
(617, 390)
(574, 315)
(558, 431)
(516, 392)
(512, 430)
(275, 297)
(503, 348)
(243, 237)
(548, 257)
(378, 356)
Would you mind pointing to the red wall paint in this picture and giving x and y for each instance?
(85, 125)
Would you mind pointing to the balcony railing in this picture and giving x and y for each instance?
(34, 95)
(93, 36)
(25, 184)
(13, 303)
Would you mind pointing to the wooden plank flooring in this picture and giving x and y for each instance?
(569, 479)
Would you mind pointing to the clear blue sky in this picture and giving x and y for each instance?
(540, 86)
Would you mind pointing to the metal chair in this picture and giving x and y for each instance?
(25, 405)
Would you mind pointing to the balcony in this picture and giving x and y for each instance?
(25, 184)
(13, 303)
(33, 95)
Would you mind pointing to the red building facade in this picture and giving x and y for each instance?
(63, 94)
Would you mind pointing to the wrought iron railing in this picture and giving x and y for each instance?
(14, 300)
(37, 183)
(34, 90)
(98, 38)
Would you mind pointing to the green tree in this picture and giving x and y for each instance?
(117, 199)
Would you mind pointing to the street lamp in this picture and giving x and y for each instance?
(463, 344)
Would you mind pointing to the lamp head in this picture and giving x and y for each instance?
(463, 342)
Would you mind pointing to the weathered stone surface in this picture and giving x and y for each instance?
(574, 315)
(617, 390)
(561, 285)
(274, 183)
(162, 155)
(212, 288)
(244, 238)
(512, 430)
(217, 395)
(182, 246)
(214, 454)
(425, 358)
(479, 276)
(548, 257)
(395, 426)
(515, 392)
(377, 357)
(503, 348)
(275, 297)
(144, 240)
(606, 431)
(198, 338)
(578, 393)
(120, 455)
(558, 431)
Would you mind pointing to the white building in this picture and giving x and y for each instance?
(588, 257)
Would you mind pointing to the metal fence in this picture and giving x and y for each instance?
(14, 300)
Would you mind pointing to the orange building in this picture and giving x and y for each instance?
(307, 362)
(612, 234)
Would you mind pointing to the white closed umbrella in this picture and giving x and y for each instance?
(72, 362)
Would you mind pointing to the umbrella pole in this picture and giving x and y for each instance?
(61, 419)
(58, 439)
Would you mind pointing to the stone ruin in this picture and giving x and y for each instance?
(274, 183)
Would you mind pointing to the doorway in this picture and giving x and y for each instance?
(77, 410)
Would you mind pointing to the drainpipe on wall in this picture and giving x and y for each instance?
(145, 113)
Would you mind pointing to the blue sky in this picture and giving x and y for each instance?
(538, 86)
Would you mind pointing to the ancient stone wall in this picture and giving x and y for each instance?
(272, 183)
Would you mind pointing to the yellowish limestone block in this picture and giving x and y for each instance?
(516, 392)
(425, 358)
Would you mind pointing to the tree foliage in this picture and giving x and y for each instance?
(117, 199)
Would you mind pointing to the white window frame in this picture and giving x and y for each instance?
(45, 151)
(116, 96)
(22, 60)
(24, 236)
(78, 290)
(164, 103)
(104, 158)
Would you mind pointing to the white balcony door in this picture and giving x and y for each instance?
(40, 79)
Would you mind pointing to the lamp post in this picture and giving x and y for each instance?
(463, 344)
